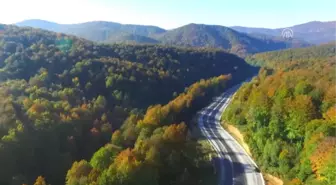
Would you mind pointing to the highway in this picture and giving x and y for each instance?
(233, 165)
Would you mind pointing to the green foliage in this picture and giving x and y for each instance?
(77, 174)
(103, 157)
(199, 35)
(289, 114)
(161, 152)
(61, 99)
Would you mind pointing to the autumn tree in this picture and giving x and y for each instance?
(40, 181)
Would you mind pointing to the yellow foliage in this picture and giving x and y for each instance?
(64, 117)
(126, 161)
(330, 114)
(153, 115)
(40, 181)
(35, 108)
(330, 95)
(271, 92)
(283, 154)
(74, 115)
(324, 152)
(175, 133)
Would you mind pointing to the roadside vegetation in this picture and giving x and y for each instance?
(288, 114)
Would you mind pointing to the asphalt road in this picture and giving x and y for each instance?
(233, 165)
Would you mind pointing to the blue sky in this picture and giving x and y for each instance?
(172, 13)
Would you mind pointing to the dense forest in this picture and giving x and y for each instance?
(63, 97)
(158, 150)
(288, 114)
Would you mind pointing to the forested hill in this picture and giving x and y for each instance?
(201, 35)
(97, 30)
(288, 114)
(191, 35)
(61, 98)
(276, 59)
(315, 32)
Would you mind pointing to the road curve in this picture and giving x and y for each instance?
(233, 165)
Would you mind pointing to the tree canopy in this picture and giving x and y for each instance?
(62, 98)
(287, 114)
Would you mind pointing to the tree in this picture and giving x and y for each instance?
(100, 103)
(116, 138)
(301, 110)
(328, 172)
(324, 153)
(78, 173)
(103, 157)
(40, 181)
(302, 88)
(330, 114)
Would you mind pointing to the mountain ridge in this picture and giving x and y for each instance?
(315, 32)
(241, 42)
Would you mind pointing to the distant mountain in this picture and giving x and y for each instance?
(200, 35)
(191, 35)
(99, 31)
(315, 32)
(131, 39)
(42, 24)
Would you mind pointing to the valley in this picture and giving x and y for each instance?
(96, 102)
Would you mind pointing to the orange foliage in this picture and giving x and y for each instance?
(175, 133)
(156, 115)
(36, 108)
(126, 160)
(330, 114)
(271, 92)
(84, 106)
(323, 153)
(27, 102)
(64, 117)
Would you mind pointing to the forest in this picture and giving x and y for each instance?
(75, 112)
(189, 35)
(288, 114)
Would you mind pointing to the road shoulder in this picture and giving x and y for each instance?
(235, 133)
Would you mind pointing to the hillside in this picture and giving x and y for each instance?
(287, 114)
(191, 35)
(314, 32)
(285, 58)
(63, 96)
(99, 31)
(199, 35)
